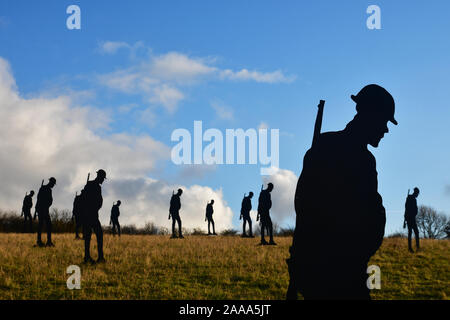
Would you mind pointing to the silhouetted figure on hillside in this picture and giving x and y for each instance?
(76, 214)
(174, 213)
(410, 217)
(209, 217)
(26, 212)
(340, 215)
(92, 202)
(115, 213)
(264, 205)
(43, 203)
(246, 207)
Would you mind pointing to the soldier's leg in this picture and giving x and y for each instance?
(209, 223)
(49, 229)
(250, 226)
(39, 230)
(263, 227)
(416, 235)
(87, 232)
(118, 227)
(244, 222)
(270, 226)
(113, 228)
(173, 226)
(179, 227)
(99, 235)
(409, 237)
(214, 228)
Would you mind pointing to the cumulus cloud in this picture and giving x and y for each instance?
(285, 183)
(161, 78)
(45, 137)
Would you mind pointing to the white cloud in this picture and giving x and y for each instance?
(161, 78)
(45, 137)
(223, 111)
(285, 183)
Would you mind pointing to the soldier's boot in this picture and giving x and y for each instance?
(88, 260)
(174, 236)
(49, 244)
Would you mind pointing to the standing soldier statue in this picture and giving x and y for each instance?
(43, 203)
(174, 213)
(209, 217)
(410, 218)
(76, 213)
(115, 213)
(92, 202)
(264, 205)
(26, 211)
(340, 215)
(246, 207)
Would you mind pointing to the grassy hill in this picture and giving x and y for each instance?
(198, 267)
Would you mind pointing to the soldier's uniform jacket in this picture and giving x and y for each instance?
(92, 200)
(27, 203)
(44, 199)
(209, 210)
(246, 206)
(264, 202)
(175, 204)
(340, 215)
(410, 208)
(115, 212)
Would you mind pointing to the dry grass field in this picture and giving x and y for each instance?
(198, 267)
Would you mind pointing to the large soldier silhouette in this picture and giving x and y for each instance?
(340, 215)
(174, 213)
(264, 205)
(43, 203)
(26, 212)
(246, 207)
(410, 218)
(92, 202)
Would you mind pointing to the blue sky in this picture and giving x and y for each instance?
(322, 49)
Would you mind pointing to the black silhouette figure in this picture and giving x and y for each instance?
(246, 207)
(77, 213)
(264, 205)
(410, 217)
(26, 212)
(340, 215)
(92, 201)
(174, 213)
(43, 203)
(209, 217)
(115, 213)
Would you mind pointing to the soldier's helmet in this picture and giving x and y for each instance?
(118, 202)
(101, 173)
(31, 192)
(377, 101)
(250, 194)
(212, 201)
(52, 180)
(416, 190)
(270, 186)
(180, 191)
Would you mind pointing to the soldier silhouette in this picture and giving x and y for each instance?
(246, 207)
(264, 205)
(174, 213)
(76, 213)
(209, 217)
(340, 215)
(410, 217)
(92, 201)
(115, 213)
(43, 203)
(26, 211)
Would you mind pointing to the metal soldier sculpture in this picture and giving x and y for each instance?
(410, 218)
(76, 213)
(26, 211)
(174, 213)
(340, 215)
(115, 213)
(264, 205)
(246, 207)
(92, 201)
(43, 203)
(209, 217)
